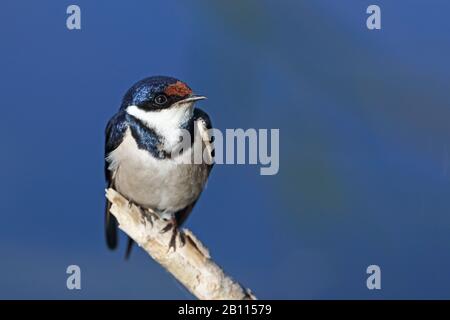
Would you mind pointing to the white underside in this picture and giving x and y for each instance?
(164, 185)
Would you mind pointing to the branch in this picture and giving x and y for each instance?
(190, 264)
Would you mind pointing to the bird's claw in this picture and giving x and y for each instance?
(149, 215)
(172, 243)
(131, 203)
(168, 227)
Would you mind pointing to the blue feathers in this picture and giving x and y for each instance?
(144, 91)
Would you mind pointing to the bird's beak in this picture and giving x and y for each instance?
(192, 98)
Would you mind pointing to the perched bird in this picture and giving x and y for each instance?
(141, 140)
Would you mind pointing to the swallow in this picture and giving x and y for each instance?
(144, 153)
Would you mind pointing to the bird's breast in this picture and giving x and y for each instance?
(165, 185)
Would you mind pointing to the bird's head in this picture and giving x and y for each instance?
(160, 101)
(159, 93)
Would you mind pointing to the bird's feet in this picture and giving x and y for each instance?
(148, 214)
(173, 225)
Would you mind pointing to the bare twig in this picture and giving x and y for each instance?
(191, 264)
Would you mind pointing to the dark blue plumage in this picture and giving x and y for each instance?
(145, 90)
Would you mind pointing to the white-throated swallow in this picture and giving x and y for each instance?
(139, 152)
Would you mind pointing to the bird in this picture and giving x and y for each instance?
(143, 152)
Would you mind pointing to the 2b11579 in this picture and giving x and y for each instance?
(230, 309)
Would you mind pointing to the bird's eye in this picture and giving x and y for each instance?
(160, 99)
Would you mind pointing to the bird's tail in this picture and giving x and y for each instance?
(129, 247)
(110, 228)
(111, 232)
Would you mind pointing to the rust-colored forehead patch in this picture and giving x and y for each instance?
(178, 89)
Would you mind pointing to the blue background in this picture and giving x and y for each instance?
(364, 153)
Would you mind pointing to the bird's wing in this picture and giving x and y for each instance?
(202, 118)
(204, 124)
(114, 133)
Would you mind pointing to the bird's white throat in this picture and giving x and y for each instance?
(165, 122)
